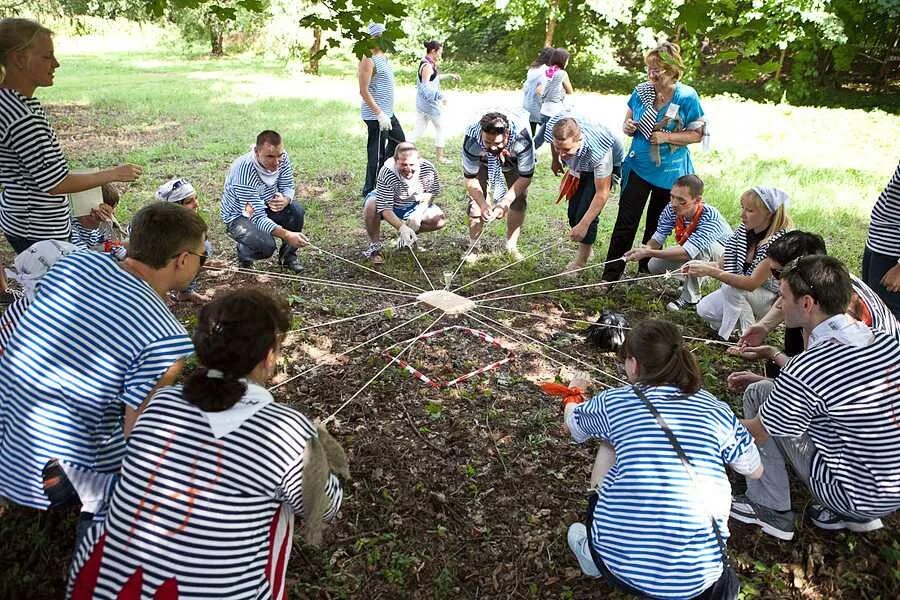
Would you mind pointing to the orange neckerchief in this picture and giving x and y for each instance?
(859, 310)
(569, 394)
(568, 186)
(682, 231)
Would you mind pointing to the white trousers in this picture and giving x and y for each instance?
(422, 121)
(728, 307)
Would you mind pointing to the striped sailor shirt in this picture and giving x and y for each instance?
(95, 339)
(876, 314)
(735, 254)
(381, 86)
(712, 228)
(884, 227)
(845, 399)
(31, 164)
(651, 525)
(600, 150)
(208, 512)
(244, 186)
(9, 320)
(395, 192)
(518, 155)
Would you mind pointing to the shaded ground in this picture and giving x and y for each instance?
(466, 492)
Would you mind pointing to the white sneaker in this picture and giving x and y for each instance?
(578, 544)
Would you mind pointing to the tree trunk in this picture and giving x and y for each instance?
(780, 64)
(314, 50)
(551, 23)
(216, 40)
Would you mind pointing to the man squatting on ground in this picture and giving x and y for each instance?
(258, 204)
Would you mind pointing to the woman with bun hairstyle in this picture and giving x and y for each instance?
(430, 100)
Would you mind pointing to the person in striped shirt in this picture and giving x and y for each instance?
(34, 175)
(881, 256)
(430, 100)
(89, 350)
(404, 195)
(98, 230)
(649, 529)
(376, 88)
(498, 164)
(258, 204)
(830, 413)
(593, 156)
(748, 289)
(865, 306)
(700, 232)
(215, 469)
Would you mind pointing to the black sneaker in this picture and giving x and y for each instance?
(825, 518)
(245, 264)
(293, 266)
(57, 487)
(676, 305)
(779, 524)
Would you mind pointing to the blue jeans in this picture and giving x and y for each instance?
(874, 266)
(255, 244)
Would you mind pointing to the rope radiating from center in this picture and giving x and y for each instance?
(560, 274)
(465, 256)
(421, 268)
(574, 287)
(512, 264)
(313, 281)
(356, 264)
(351, 318)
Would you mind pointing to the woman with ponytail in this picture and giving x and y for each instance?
(34, 175)
(215, 469)
(648, 530)
(430, 100)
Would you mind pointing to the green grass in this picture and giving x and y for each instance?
(191, 117)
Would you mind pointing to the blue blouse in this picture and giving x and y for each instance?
(675, 161)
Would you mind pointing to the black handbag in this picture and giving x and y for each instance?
(728, 585)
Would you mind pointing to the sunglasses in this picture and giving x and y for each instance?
(175, 186)
(203, 257)
(494, 129)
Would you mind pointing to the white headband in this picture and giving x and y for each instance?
(773, 198)
(175, 190)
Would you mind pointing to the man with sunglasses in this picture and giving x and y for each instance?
(90, 350)
(594, 157)
(498, 164)
(258, 204)
(831, 413)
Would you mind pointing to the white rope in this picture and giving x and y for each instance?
(561, 274)
(379, 273)
(344, 353)
(465, 256)
(313, 280)
(575, 287)
(332, 416)
(546, 316)
(524, 258)
(549, 347)
(366, 314)
(421, 268)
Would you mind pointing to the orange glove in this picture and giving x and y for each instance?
(569, 394)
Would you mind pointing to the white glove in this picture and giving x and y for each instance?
(384, 122)
(418, 214)
(407, 237)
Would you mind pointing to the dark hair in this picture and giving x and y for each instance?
(693, 183)
(824, 278)
(662, 357)
(543, 57)
(273, 138)
(161, 230)
(559, 58)
(433, 45)
(234, 333)
(794, 244)
(404, 147)
(110, 194)
(494, 120)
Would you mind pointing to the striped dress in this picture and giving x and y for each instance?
(845, 398)
(429, 97)
(712, 228)
(94, 340)
(884, 228)
(736, 252)
(651, 525)
(31, 163)
(244, 186)
(394, 192)
(600, 150)
(381, 86)
(199, 511)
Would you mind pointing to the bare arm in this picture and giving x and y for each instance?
(79, 182)
(677, 138)
(756, 429)
(168, 378)
(567, 85)
(364, 75)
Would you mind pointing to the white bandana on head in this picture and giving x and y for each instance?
(175, 190)
(771, 197)
(35, 262)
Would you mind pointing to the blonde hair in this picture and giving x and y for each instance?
(780, 219)
(669, 56)
(17, 34)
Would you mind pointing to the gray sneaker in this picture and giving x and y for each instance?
(825, 518)
(779, 524)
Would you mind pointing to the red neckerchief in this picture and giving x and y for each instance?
(568, 186)
(682, 231)
(859, 310)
